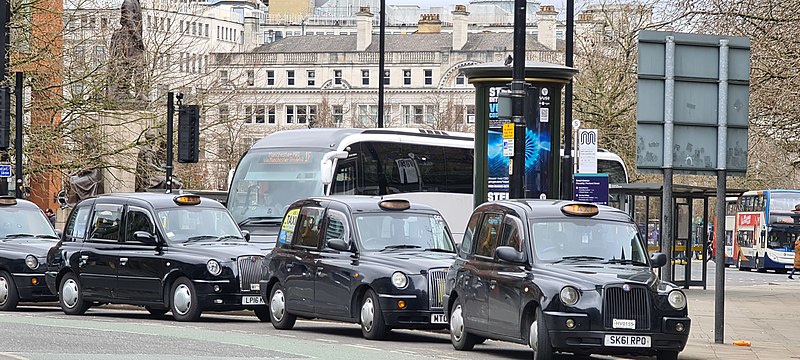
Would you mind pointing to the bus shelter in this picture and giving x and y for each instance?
(691, 219)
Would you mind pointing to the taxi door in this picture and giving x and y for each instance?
(335, 277)
(141, 266)
(99, 259)
(478, 271)
(506, 293)
(300, 259)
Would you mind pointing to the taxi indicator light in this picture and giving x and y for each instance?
(34, 281)
(401, 304)
(580, 209)
(570, 323)
(394, 204)
(8, 200)
(187, 200)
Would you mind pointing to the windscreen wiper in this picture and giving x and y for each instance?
(579, 258)
(19, 235)
(440, 250)
(261, 220)
(401, 246)
(200, 237)
(228, 237)
(626, 262)
(47, 236)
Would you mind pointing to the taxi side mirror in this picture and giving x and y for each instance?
(509, 254)
(145, 237)
(338, 245)
(658, 260)
(246, 235)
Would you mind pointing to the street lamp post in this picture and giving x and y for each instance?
(567, 165)
(381, 62)
(516, 181)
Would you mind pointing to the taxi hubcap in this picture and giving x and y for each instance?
(3, 290)
(534, 336)
(69, 293)
(367, 314)
(182, 299)
(277, 305)
(457, 323)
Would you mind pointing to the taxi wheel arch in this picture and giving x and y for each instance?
(10, 298)
(167, 291)
(375, 329)
(81, 305)
(355, 301)
(467, 341)
(287, 319)
(183, 287)
(544, 349)
(528, 315)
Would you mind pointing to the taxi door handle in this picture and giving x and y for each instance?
(492, 284)
(289, 266)
(84, 259)
(319, 270)
(123, 261)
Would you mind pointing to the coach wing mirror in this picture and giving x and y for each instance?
(658, 260)
(338, 245)
(326, 165)
(509, 254)
(145, 237)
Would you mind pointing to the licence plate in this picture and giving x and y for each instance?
(252, 300)
(624, 324)
(627, 341)
(438, 319)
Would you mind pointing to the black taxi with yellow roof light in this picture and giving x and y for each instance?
(178, 253)
(360, 259)
(25, 237)
(562, 277)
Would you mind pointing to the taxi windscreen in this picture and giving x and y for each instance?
(584, 239)
(387, 231)
(198, 224)
(19, 222)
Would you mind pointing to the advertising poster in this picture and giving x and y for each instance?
(537, 146)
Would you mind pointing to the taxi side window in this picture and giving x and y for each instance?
(76, 225)
(105, 223)
(337, 227)
(512, 233)
(137, 221)
(308, 227)
(490, 231)
(469, 234)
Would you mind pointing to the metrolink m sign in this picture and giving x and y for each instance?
(692, 103)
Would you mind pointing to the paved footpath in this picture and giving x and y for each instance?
(767, 315)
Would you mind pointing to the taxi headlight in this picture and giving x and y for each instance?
(213, 267)
(569, 295)
(32, 262)
(677, 299)
(399, 280)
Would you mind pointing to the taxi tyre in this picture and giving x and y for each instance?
(467, 341)
(156, 311)
(277, 306)
(181, 288)
(373, 326)
(543, 349)
(80, 306)
(667, 355)
(262, 313)
(9, 297)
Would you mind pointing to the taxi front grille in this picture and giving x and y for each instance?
(250, 268)
(630, 304)
(436, 280)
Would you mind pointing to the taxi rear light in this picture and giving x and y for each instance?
(8, 200)
(394, 204)
(187, 200)
(580, 209)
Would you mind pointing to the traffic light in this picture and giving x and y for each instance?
(189, 134)
(5, 117)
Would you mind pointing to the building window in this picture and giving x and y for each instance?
(251, 77)
(290, 114)
(364, 77)
(312, 77)
(270, 78)
(224, 113)
(337, 77)
(461, 80)
(407, 77)
(290, 77)
(248, 114)
(223, 76)
(470, 114)
(367, 115)
(337, 114)
(260, 114)
(300, 114)
(428, 77)
(413, 114)
(386, 77)
(206, 32)
(271, 114)
(219, 33)
(169, 24)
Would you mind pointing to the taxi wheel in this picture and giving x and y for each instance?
(373, 327)
(8, 292)
(156, 311)
(262, 313)
(281, 319)
(539, 338)
(462, 340)
(667, 355)
(184, 304)
(70, 297)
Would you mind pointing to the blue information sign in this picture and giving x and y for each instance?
(5, 171)
(591, 188)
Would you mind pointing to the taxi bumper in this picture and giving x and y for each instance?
(33, 287)
(224, 299)
(414, 316)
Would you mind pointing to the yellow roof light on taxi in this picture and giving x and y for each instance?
(8, 200)
(580, 209)
(394, 204)
(187, 200)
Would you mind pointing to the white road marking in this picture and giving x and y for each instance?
(363, 347)
(10, 355)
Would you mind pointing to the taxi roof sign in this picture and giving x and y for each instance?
(187, 200)
(394, 204)
(8, 200)
(580, 209)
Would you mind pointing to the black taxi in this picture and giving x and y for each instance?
(562, 277)
(178, 253)
(360, 259)
(25, 237)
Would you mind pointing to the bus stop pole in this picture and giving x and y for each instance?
(666, 195)
(722, 146)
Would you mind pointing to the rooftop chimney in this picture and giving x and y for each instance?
(460, 24)
(547, 26)
(429, 24)
(364, 26)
